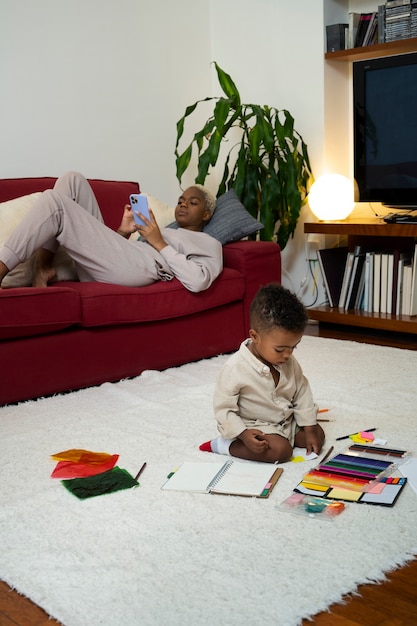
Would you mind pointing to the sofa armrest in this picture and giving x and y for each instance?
(258, 261)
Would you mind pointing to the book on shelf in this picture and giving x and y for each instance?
(363, 25)
(406, 291)
(237, 478)
(360, 296)
(369, 282)
(346, 279)
(390, 281)
(404, 283)
(386, 282)
(381, 23)
(353, 22)
(369, 37)
(332, 262)
(395, 261)
(413, 294)
(398, 307)
(383, 288)
(355, 277)
(377, 283)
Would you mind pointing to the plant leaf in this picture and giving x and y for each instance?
(182, 161)
(208, 157)
(190, 109)
(228, 86)
(221, 112)
(222, 186)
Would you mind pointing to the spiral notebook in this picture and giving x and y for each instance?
(230, 478)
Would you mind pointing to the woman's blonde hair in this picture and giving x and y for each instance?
(209, 198)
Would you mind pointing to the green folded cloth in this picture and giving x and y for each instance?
(106, 482)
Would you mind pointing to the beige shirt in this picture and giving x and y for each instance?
(195, 258)
(247, 397)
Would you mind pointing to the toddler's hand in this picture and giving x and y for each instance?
(313, 443)
(254, 440)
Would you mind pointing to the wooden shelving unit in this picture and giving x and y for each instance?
(374, 231)
(403, 46)
(376, 234)
(366, 227)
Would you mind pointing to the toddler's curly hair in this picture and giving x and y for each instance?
(274, 306)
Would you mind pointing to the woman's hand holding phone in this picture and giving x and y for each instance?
(149, 231)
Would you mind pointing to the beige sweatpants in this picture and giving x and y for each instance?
(69, 215)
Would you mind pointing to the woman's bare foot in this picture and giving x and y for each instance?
(3, 271)
(43, 270)
(41, 277)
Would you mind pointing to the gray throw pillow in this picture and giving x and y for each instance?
(230, 221)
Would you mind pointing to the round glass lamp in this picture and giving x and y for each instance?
(331, 197)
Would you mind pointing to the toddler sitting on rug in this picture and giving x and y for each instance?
(263, 403)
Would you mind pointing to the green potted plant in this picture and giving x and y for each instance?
(271, 170)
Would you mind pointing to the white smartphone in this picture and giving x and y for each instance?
(139, 204)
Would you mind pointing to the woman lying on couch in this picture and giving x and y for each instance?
(69, 215)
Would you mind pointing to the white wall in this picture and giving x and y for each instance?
(98, 86)
(273, 49)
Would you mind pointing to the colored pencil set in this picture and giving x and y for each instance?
(358, 471)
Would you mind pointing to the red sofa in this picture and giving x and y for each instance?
(74, 335)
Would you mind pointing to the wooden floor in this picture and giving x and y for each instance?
(393, 603)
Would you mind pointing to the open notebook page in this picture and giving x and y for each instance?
(245, 479)
(193, 477)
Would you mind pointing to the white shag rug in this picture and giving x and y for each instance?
(149, 557)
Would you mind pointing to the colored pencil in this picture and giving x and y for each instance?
(140, 471)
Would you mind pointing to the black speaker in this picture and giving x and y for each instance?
(336, 35)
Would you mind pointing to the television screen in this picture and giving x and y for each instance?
(385, 130)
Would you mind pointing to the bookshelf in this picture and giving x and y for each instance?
(403, 46)
(376, 234)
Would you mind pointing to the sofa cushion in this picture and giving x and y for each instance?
(108, 305)
(13, 211)
(231, 221)
(27, 311)
(164, 213)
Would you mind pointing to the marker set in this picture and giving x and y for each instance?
(360, 474)
(389, 453)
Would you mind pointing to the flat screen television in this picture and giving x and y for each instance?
(385, 130)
